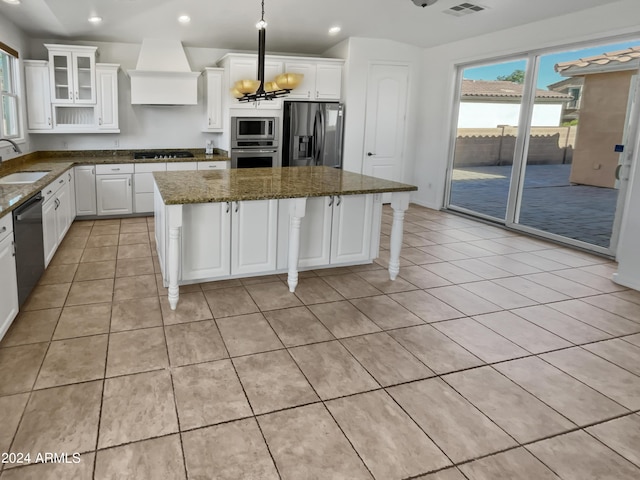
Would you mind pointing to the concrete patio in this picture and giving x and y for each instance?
(549, 202)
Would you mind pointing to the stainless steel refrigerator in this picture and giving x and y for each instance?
(312, 134)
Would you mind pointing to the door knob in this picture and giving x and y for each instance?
(369, 154)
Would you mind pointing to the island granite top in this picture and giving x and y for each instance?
(177, 188)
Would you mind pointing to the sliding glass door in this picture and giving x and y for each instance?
(487, 126)
(553, 169)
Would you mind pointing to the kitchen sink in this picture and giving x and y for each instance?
(22, 177)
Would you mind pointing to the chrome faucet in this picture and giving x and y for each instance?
(16, 148)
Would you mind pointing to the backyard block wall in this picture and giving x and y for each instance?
(477, 147)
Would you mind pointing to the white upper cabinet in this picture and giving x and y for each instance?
(213, 102)
(328, 81)
(322, 80)
(72, 70)
(36, 75)
(107, 92)
(306, 89)
(245, 67)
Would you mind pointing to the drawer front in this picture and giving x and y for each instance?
(143, 182)
(150, 167)
(176, 166)
(116, 168)
(220, 165)
(6, 226)
(51, 189)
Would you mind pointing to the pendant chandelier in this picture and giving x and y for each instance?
(256, 90)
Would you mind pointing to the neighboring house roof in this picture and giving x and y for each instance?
(627, 59)
(500, 90)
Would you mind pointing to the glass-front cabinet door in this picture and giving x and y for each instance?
(84, 77)
(72, 71)
(62, 76)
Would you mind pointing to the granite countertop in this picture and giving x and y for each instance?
(12, 196)
(178, 188)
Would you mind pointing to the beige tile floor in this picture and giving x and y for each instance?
(493, 356)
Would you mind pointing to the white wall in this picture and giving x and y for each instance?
(435, 121)
(361, 52)
(490, 115)
(141, 126)
(13, 37)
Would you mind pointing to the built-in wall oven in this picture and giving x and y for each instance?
(254, 142)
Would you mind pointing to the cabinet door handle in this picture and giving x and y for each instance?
(228, 207)
(49, 121)
(70, 95)
(129, 181)
(331, 200)
(209, 121)
(4, 229)
(308, 93)
(93, 171)
(61, 180)
(49, 192)
(339, 201)
(317, 94)
(77, 96)
(99, 121)
(115, 169)
(237, 207)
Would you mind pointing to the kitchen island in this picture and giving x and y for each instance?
(237, 223)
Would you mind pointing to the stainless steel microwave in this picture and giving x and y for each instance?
(245, 129)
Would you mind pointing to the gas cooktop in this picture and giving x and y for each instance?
(159, 154)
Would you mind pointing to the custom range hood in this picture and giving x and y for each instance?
(162, 75)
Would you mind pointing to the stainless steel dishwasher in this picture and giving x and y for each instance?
(29, 248)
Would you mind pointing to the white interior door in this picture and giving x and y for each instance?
(385, 121)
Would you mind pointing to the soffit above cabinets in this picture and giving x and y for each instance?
(294, 26)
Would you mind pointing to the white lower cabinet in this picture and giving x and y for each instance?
(206, 235)
(229, 238)
(143, 185)
(56, 215)
(254, 226)
(85, 189)
(8, 278)
(114, 195)
(49, 234)
(334, 230)
(351, 228)
(114, 190)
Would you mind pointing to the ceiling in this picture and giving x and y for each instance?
(294, 26)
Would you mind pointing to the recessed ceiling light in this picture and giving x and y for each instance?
(12, 2)
(95, 19)
(334, 30)
(184, 18)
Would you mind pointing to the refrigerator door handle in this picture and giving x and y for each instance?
(321, 114)
(317, 137)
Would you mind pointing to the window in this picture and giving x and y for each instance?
(10, 126)
(575, 93)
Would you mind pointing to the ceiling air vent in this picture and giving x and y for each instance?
(464, 9)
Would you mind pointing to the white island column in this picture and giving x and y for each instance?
(399, 204)
(174, 225)
(297, 212)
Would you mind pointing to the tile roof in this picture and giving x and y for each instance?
(620, 56)
(503, 89)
